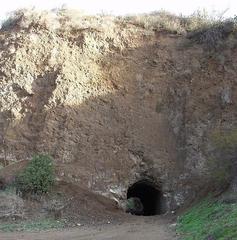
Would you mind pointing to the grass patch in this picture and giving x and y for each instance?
(210, 219)
(39, 225)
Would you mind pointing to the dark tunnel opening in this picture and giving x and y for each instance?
(150, 197)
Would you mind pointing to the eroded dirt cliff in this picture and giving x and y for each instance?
(113, 103)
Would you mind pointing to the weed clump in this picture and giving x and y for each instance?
(212, 37)
(38, 176)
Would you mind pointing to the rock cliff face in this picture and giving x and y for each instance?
(115, 103)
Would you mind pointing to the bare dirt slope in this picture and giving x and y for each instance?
(139, 229)
(65, 201)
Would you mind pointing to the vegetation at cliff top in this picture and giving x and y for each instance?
(157, 21)
(200, 27)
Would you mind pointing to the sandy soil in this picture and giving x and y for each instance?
(140, 228)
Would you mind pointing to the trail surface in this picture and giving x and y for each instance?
(142, 228)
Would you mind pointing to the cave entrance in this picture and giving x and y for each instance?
(150, 196)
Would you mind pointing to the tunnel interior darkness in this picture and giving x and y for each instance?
(149, 195)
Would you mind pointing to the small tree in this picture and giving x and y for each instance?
(38, 176)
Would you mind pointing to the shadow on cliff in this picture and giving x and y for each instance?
(120, 132)
(112, 139)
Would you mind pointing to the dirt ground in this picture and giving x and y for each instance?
(100, 217)
(137, 228)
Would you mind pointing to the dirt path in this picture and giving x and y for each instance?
(142, 228)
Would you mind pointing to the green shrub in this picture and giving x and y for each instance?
(220, 171)
(38, 176)
(221, 160)
(225, 141)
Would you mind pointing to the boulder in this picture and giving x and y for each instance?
(134, 206)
